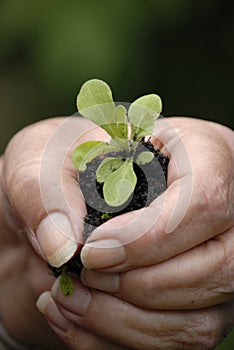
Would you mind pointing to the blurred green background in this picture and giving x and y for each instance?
(183, 50)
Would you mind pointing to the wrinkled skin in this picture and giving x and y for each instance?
(167, 279)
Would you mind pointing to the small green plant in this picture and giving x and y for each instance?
(126, 129)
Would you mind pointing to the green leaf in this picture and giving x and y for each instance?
(66, 284)
(107, 167)
(87, 151)
(121, 120)
(95, 102)
(120, 184)
(144, 158)
(142, 114)
(94, 92)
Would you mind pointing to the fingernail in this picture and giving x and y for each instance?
(47, 307)
(56, 238)
(78, 302)
(108, 282)
(102, 254)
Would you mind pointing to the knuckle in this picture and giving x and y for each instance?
(200, 332)
(206, 331)
(215, 199)
(23, 182)
(23, 192)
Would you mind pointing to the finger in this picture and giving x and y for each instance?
(198, 278)
(41, 186)
(192, 209)
(75, 337)
(137, 328)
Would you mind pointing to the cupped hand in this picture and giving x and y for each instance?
(41, 217)
(168, 269)
(41, 197)
(123, 325)
(198, 204)
(195, 216)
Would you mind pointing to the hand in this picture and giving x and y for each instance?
(41, 217)
(183, 262)
(50, 249)
(199, 151)
(130, 326)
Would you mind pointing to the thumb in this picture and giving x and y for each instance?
(40, 184)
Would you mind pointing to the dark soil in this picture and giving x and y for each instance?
(151, 182)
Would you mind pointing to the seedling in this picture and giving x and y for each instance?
(126, 129)
(116, 170)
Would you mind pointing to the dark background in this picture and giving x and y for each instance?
(183, 50)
